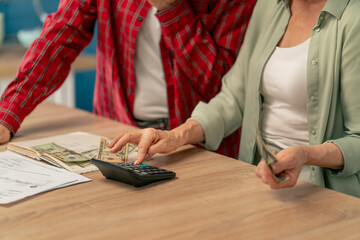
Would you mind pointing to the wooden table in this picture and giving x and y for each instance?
(213, 197)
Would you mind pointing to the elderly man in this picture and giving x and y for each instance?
(156, 59)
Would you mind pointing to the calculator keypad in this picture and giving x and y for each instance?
(144, 169)
(136, 175)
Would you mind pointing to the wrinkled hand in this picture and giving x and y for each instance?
(149, 141)
(161, 4)
(289, 164)
(4, 134)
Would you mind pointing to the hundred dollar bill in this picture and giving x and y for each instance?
(266, 154)
(61, 153)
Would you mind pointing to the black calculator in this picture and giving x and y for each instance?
(136, 175)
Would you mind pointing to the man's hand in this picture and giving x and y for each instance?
(161, 4)
(4, 134)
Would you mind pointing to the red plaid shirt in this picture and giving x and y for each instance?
(200, 41)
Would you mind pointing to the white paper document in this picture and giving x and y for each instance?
(21, 177)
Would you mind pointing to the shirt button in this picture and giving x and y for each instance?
(317, 29)
(314, 62)
(313, 132)
(313, 98)
(140, 18)
(312, 168)
(130, 90)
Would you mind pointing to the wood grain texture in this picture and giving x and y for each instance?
(212, 197)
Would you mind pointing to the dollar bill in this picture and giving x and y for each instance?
(84, 164)
(61, 153)
(90, 153)
(266, 154)
(131, 153)
(104, 153)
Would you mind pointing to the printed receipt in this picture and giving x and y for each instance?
(21, 177)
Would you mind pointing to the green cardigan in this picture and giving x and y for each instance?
(333, 87)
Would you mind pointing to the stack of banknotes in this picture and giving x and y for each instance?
(266, 154)
(126, 155)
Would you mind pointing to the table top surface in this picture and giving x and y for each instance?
(212, 197)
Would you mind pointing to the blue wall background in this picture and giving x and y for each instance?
(20, 14)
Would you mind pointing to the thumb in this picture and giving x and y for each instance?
(278, 167)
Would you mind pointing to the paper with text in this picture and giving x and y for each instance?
(21, 177)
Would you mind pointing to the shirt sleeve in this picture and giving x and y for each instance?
(350, 101)
(205, 43)
(46, 63)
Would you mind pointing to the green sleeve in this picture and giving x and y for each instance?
(350, 99)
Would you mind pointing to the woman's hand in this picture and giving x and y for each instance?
(149, 141)
(288, 165)
(4, 134)
(290, 161)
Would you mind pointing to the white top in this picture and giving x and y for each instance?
(284, 88)
(150, 91)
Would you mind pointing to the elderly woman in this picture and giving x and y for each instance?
(298, 77)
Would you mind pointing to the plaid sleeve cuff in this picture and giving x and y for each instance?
(176, 17)
(9, 119)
